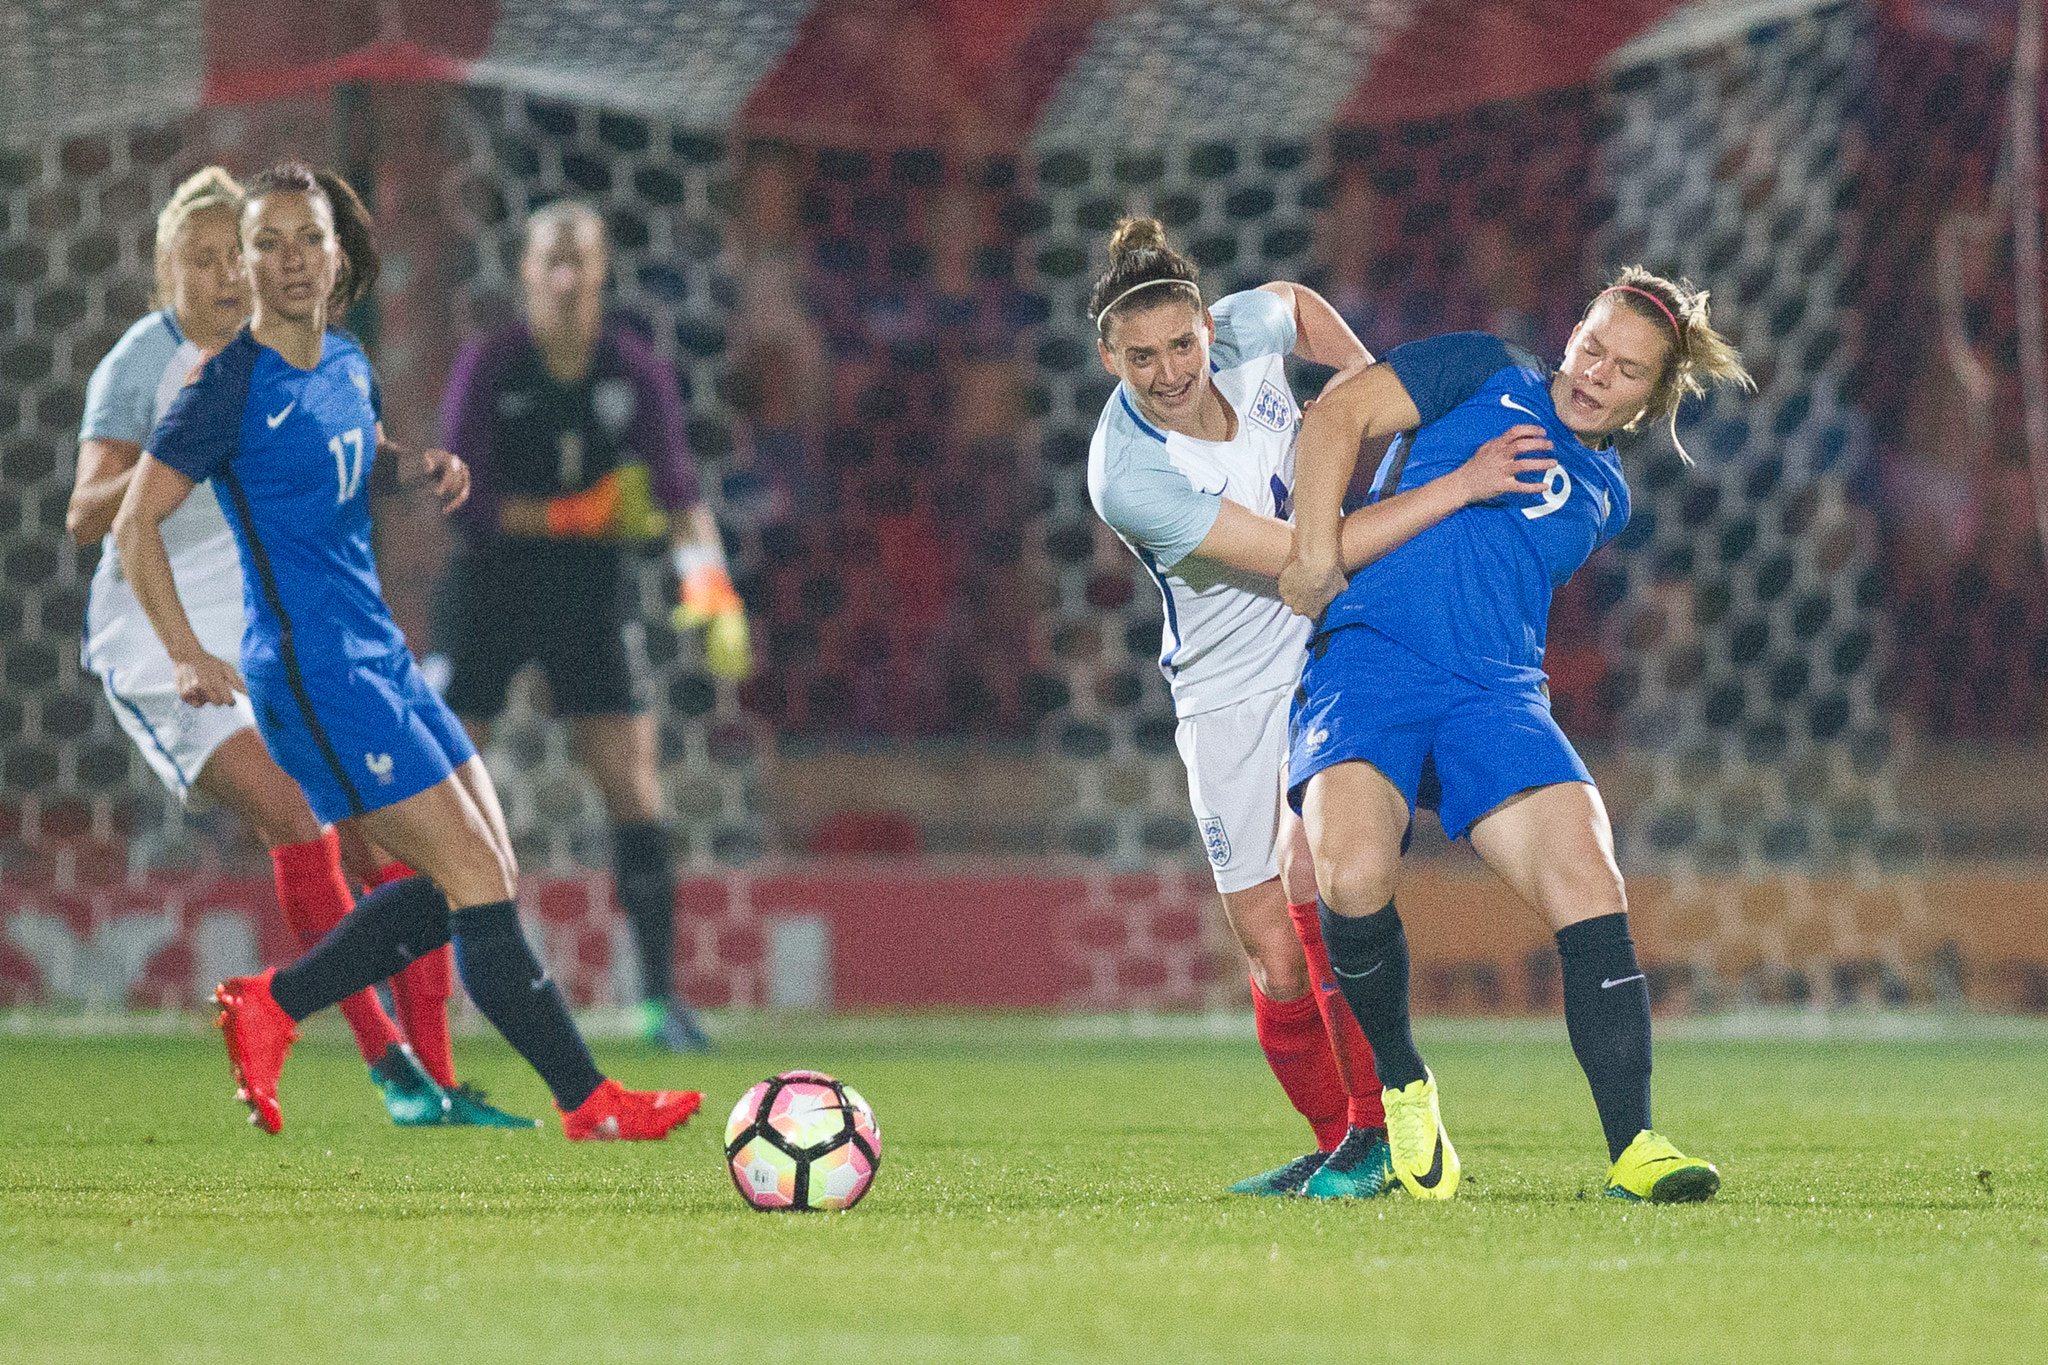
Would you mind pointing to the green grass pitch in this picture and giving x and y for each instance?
(1045, 1195)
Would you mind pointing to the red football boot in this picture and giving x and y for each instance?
(259, 1035)
(613, 1113)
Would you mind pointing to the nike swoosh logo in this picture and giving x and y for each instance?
(1621, 981)
(1356, 976)
(1430, 1178)
(1507, 402)
(278, 421)
(1212, 492)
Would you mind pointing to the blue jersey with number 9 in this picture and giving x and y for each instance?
(290, 452)
(1472, 593)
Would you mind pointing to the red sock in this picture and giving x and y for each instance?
(421, 993)
(315, 898)
(1347, 1040)
(389, 873)
(1291, 1033)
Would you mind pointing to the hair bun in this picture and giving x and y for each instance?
(1137, 234)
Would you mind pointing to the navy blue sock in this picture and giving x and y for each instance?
(646, 879)
(1369, 954)
(502, 975)
(388, 929)
(1607, 1013)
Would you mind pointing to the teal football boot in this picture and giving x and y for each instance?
(410, 1095)
(1282, 1180)
(1362, 1167)
(469, 1107)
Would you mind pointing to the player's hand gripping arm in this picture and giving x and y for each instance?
(708, 598)
(1495, 470)
(154, 492)
(1371, 404)
(1374, 404)
(1245, 540)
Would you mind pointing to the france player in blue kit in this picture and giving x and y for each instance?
(284, 420)
(1435, 652)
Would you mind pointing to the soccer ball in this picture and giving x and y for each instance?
(802, 1140)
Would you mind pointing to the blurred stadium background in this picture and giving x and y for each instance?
(1812, 676)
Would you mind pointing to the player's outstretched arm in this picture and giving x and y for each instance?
(154, 492)
(1373, 403)
(104, 470)
(1495, 470)
(1320, 333)
(1246, 541)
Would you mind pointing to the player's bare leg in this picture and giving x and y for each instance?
(315, 896)
(618, 751)
(453, 833)
(1555, 847)
(1361, 1165)
(1355, 819)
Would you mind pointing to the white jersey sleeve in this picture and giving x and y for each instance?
(1139, 492)
(1250, 325)
(121, 397)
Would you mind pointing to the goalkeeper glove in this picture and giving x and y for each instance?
(709, 600)
(619, 506)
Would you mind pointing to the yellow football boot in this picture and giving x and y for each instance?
(1424, 1161)
(1652, 1171)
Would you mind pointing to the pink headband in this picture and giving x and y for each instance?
(1668, 317)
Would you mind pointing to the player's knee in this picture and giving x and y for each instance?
(1357, 881)
(271, 804)
(1280, 976)
(1569, 899)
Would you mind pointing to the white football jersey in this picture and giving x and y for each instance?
(128, 393)
(1227, 635)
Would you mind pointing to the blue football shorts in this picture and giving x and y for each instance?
(358, 739)
(1365, 697)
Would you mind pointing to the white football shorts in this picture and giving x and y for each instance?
(123, 649)
(1236, 757)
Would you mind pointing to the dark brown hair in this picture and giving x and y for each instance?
(1138, 256)
(360, 265)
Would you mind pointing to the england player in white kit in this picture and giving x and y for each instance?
(126, 396)
(1192, 464)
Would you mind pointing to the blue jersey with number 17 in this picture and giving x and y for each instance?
(290, 451)
(1472, 593)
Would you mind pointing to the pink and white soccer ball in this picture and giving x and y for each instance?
(802, 1140)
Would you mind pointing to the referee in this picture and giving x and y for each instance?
(573, 432)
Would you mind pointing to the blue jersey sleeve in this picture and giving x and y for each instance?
(202, 431)
(1249, 325)
(1441, 372)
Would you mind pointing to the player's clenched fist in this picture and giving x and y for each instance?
(449, 475)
